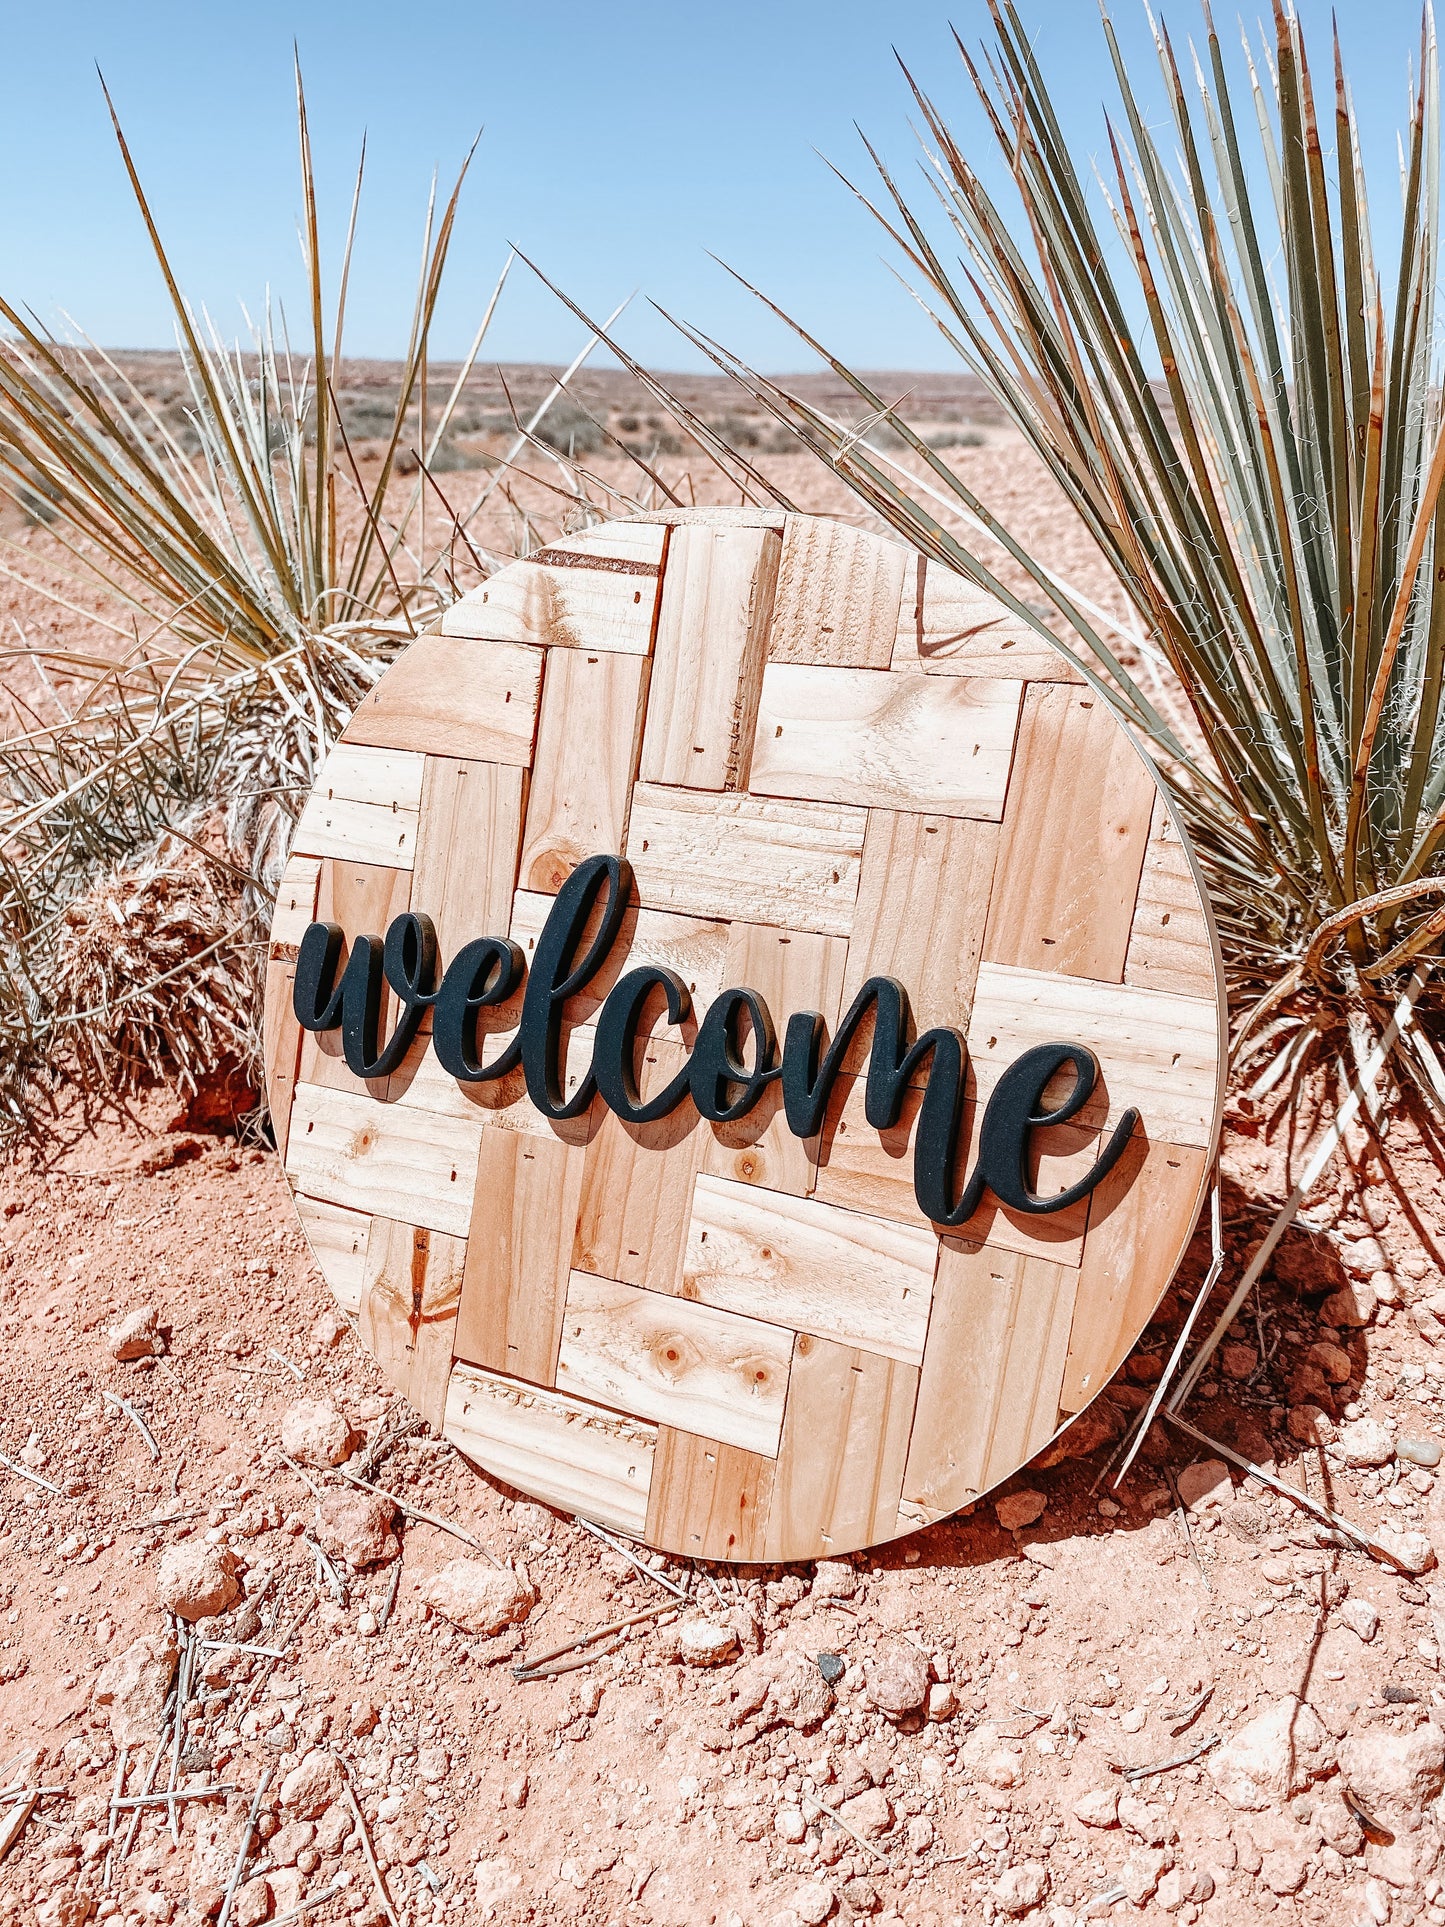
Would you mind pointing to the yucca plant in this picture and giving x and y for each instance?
(1246, 414)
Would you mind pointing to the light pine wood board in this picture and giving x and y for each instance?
(637, 1182)
(988, 1395)
(1140, 1219)
(595, 591)
(387, 1159)
(923, 897)
(1158, 1052)
(695, 947)
(519, 1253)
(413, 1284)
(839, 1474)
(338, 1240)
(839, 594)
(754, 516)
(942, 745)
(709, 1500)
(843, 1275)
(422, 1084)
(564, 1451)
(451, 697)
(866, 1170)
(1074, 835)
(466, 848)
(364, 809)
(712, 635)
(587, 747)
(661, 1358)
(949, 627)
(363, 898)
(791, 970)
(795, 865)
(1170, 944)
(283, 1047)
(295, 904)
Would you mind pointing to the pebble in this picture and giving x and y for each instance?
(1021, 1888)
(197, 1580)
(942, 1702)
(789, 1825)
(868, 1813)
(1206, 1486)
(832, 1666)
(896, 1676)
(311, 1785)
(1132, 1719)
(834, 1579)
(1365, 1443)
(136, 1335)
(1019, 1509)
(1360, 1616)
(1310, 1425)
(1099, 1808)
(1363, 1256)
(1332, 1361)
(132, 1688)
(356, 1526)
(1352, 1306)
(919, 1834)
(1239, 1360)
(317, 1432)
(704, 1642)
(477, 1597)
(1273, 1756)
(1395, 1776)
(1419, 1451)
(812, 1903)
(1413, 1550)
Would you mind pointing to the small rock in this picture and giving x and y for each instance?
(834, 1579)
(356, 1526)
(328, 1331)
(1019, 1509)
(797, 1693)
(1142, 1871)
(477, 1597)
(252, 1904)
(868, 1813)
(789, 1825)
(1239, 1360)
(1424, 1452)
(1021, 1888)
(136, 1335)
(132, 1688)
(812, 1903)
(316, 1432)
(897, 1679)
(1310, 1425)
(832, 1666)
(1339, 1827)
(1365, 1443)
(1334, 1363)
(1283, 1870)
(1133, 1719)
(311, 1786)
(1099, 1808)
(1412, 1549)
(861, 1895)
(1352, 1306)
(1395, 1775)
(1360, 1616)
(1152, 1824)
(919, 1833)
(703, 1642)
(942, 1701)
(1362, 1256)
(431, 1765)
(196, 1580)
(1273, 1756)
(1206, 1486)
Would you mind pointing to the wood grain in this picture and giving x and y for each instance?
(1140, 1219)
(839, 1475)
(338, 1240)
(587, 747)
(948, 627)
(1171, 946)
(839, 594)
(791, 970)
(389, 1159)
(595, 591)
(363, 898)
(466, 848)
(988, 1395)
(413, 1283)
(282, 1047)
(364, 808)
(791, 864)
(1156, 1051)
(838, 1274)
(1074, 835)
(450, 697)
(686, 1365)
(712, 632)
(564, 1451)
(709, 1500)
(941, 745)
(519, 1253)
(295, 904)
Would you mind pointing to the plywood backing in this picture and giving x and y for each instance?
(825, 761)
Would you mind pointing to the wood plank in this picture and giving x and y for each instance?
(923, 899)
(1140, 1218)
(839, 1475)
(451, 697)
(795, 865)
(1074, 835)
(838, 1274)
(1171, 946)
(501, 1103)
(988, 1396)
(338, 1240)
(595, 590)
(466, 848)
(949, 627)
(709, 1500)
(519, 1253)
(712, 633)
(918, 743)
(364, 808)
(409, 1311)
(695, 947)
(363, 898)
(295, 904)
(282, 1037)
(389, 1159)
(839, 593)
(587, 747)
(1159, 1052)
(564, 1451)
(680, 1364)
(637, 1184)
(791, 970)
(754, 515)
(867, 1170)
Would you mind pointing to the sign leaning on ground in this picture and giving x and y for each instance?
(744, 1034)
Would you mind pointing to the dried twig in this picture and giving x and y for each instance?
(240, 1646)
(15, 1822)
(216, 1792)
(165, 1519)
(304, 1476)
(377, 1451)
(148, 1783)
(529, 1668)
(124, 1405)
(246, 1832)
(827, 1813)
(328, 1571)
(388, 1606)
(24, 1472)
(1175, 1759)
(409, 1511)
(295, 1370)
(306, 1907)
(1176, 1718)
(116, 1789)
(624, 1551)
(1186, 1527)
(551, 1668)
(178, 1723)
(366, 1846)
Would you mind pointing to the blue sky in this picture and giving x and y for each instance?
(621, 143)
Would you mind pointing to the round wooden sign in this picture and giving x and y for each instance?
(744, 1034)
